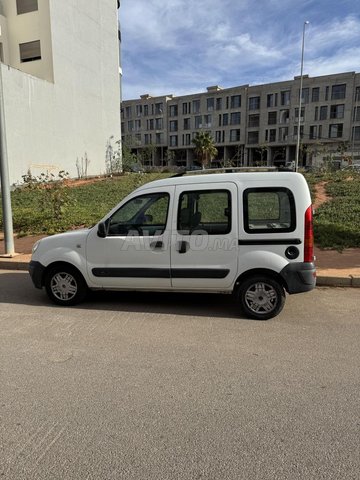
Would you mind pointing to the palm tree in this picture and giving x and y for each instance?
(205, 149)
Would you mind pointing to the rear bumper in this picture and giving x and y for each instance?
(299, 277)
(36, 271)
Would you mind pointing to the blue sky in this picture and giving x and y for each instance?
(183, 46)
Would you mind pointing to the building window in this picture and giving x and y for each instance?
(158, 123)
(235, 118)
(130, 125)
(210, 104)
(304, 95)
(254, 120)
(283, 134)
(225, 119)
(186, 139)
(148, 139)
(285, 97)
(198, 121)
(219, 103)
(357, 114)
(30, 51)
(187, 123)
(150, 124)
(159, 138)
(137, 125)
(159, 108)
(271, 100)
(301, 114)
(270, 135)
(128, 112)
(323, 112)
(316, 114)
(315, 94)
(196, 106)
(146, 110)
(26, 6)
(219, 136)
(357, 94)
(207, 121)
(337, 111)
(254, 103)
(313, 132)
(173, 126)
(253, 137)
(356, 133)
(326, 94)
(272, 118)
(186, 108)
(137, 138)
(301, 131)
(173, 111)
(284, 116)
(138, 109)
(335, 130)
(173, 140)
(338, 91)
(235, 101)
(235, 135)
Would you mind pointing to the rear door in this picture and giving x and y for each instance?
(204, 245)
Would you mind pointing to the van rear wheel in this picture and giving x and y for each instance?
(65, 285)
(261, 297)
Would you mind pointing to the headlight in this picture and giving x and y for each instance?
(35, 246)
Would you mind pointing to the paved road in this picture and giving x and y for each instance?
(177, 387)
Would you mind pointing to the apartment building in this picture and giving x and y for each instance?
(250, 125)
(60, 84)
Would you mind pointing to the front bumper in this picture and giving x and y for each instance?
(36, 271)
(299, 277)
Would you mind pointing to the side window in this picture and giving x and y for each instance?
(204, 212)
(268, 210)
(143, 215)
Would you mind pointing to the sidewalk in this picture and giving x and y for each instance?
(333, 268)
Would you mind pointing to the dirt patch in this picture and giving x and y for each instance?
(320, 194)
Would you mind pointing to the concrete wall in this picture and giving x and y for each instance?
(50, 125)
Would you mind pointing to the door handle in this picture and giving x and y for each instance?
(156, 245)
(183, 246)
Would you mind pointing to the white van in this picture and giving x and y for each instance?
(246, 233)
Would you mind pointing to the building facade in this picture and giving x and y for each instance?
(250, 125)
(60, 83)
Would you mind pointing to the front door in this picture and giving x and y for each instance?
(204, 246)
(135, 252)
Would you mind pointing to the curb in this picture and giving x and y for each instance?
(321, 280)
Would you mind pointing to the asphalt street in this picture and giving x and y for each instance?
(160, 386)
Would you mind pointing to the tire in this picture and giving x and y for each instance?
(65, 285)
(261, 297)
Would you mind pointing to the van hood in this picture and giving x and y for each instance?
(67, 239)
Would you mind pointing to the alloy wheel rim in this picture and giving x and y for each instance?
(261, 298)
(63, 286)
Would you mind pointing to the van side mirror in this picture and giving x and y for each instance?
(101, 232)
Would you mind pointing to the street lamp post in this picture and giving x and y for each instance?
(300, 98)
(4, 177)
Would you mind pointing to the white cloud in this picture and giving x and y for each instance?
(178, 46)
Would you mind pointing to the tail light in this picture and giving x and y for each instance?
(309, 236)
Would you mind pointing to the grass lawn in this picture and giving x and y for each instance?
(336, 222)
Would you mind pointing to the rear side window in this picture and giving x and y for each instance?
(268, 210)
(204, 211)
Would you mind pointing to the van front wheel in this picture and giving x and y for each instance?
(65, 285)
(261, 297)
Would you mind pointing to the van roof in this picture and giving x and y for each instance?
(237, 177)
